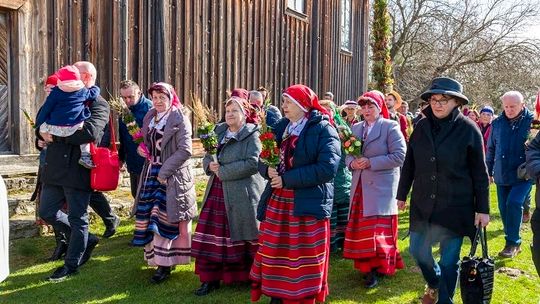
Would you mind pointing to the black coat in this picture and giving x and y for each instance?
(61, 166)
(450, 181)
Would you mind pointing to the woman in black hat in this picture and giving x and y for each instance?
(445, 160)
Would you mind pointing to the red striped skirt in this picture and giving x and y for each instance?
(292, 261)
(371, 241)
(217, 257)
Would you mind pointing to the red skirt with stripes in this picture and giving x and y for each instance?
(371, 241)
(292, 261)
(217, 257)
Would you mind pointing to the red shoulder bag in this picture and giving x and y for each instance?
(104, 176)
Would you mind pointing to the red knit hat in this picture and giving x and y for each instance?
(239, 92)
(305, 98)
(69, 79)
(377, 98)
(52, 80)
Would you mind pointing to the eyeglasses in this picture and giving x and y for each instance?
(442, 101)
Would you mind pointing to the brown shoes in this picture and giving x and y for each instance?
(431, 295)
(510, 251)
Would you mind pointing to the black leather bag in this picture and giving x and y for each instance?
(476, 274)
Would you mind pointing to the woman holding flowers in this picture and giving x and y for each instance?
(225, 240)
(291, 265)
(166, 195)
(371, 234)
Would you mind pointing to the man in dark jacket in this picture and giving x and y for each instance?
(65, 180)
(138, 105)
(533, 168)
(505, 152)
(272, 112)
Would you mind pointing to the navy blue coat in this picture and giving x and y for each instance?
(128, 148)
(506, 148)
(315, 163)
(66, 108)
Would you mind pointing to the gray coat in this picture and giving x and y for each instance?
(385, 148)
(242, 184)
(176, 168)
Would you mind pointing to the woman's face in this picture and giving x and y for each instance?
(351, 111)
(290, 110)
(472, 116)
(486, 118)
(329, 109)
(160, 101)
(234, 116)
(441, 105)
(370, 112)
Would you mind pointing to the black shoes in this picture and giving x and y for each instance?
(275, 301)
(371, 279)
(162, 273)
(206, 288)
(110, 230)
(61, 273)
(92, 243)
(59, 251)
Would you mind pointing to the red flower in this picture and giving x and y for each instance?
(276, 151)
(265, 154)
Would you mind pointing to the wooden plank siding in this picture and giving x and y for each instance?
(201, 47)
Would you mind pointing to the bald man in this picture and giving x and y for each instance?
(65, 180)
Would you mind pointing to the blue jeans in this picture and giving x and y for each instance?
(511, 199)
(442, 275)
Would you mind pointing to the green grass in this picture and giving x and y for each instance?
(117, 273)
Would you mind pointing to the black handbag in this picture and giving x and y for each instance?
(476, 274)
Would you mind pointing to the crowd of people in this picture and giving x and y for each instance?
(275, 227)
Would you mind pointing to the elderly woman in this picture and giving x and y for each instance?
(445, 161)
(350, 108)
(486, 118)
(166, 195)
(371, 235)
(225, 240)
(342, 185)
(291, 265)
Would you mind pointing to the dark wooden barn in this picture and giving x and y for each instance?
(202, 47)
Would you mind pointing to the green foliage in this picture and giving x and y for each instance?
(380, 40)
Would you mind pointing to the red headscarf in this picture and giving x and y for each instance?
(239, 92)
(52, 80)
(167, 89)
(306, 99)
(376, 98)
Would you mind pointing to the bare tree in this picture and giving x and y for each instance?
(461, 39)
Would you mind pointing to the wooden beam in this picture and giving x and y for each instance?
(11, 4)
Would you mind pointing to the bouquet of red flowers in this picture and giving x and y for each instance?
(270, 151)
(350, 144)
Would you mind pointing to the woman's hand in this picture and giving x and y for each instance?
(162, 181)
(214, 167)
(360, 163)
(272, 172)
(481, 219)
(140, 151)
(41, 143)
(277, 182)
(46, 137)
(402, 205)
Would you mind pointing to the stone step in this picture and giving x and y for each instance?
(20, 205)
(23, 227)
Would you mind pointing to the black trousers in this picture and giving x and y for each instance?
(535, 227)
(101, 206)
(74, 224)
(134, 183)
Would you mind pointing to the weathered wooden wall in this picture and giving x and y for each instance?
(200, 46)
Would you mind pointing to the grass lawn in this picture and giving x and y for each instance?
(117, 274)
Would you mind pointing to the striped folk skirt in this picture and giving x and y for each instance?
(165, 243)
(217, 257)
(371, 241)
(292, 261)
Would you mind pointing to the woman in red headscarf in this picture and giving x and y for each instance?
(166, 195)
(291, 265)
(371, 234)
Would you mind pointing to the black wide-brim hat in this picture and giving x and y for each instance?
(446, 86)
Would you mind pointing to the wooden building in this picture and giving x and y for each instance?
(204, 47)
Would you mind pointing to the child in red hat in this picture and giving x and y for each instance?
(65, 108)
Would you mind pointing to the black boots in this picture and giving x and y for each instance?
(61, 247)
(371, 280)
(161, 274)
(206, 288)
